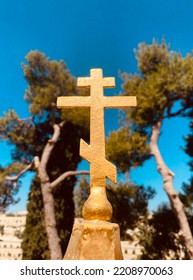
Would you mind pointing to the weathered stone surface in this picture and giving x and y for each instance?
(94, 240)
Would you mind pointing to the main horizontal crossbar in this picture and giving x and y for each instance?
(88, 101)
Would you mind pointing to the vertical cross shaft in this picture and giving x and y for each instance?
(96, 83)
(95, 152)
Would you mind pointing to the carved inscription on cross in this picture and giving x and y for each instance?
(100, 168)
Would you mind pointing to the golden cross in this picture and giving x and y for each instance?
(100, 168)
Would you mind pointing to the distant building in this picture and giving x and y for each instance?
(132, 249)
(11, 230)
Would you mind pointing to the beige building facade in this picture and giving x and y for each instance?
(11, 229)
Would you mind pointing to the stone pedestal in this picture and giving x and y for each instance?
(94, 240)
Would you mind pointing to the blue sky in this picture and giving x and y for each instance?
(94, 34)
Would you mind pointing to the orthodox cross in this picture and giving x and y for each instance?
(100, 168)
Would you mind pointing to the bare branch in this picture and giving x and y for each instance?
(51, 143)
(47, 152)
(161, 166)
(174, 114)
(34, 162)
(66, 174)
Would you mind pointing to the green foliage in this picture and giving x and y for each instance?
(187, 188)
(129, 202)
(187, 198)
(153, 56)
(1, 230)
(166, 79)
(130, 205)
(164, 89)
(8, 188)
(127, 149)
(160, 236)
(81, 193)
(19, 133)
(64, 210)
(35, 244)
(19, 234)
(47, 80)
(189, 138)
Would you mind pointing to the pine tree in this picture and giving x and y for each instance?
(47, 142)
(165, 79)
(130, 205)
(160, 236)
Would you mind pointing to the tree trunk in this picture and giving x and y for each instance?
(48, 199)
(167, 176)
(50, 222)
